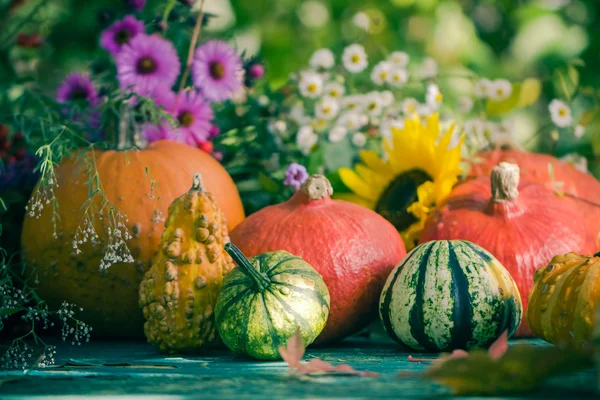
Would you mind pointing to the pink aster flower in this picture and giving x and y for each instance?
(194, 115)
(216, 70)
(76, 87)
(152, 132)
(163, 96)
(120, 33)
(146, 62)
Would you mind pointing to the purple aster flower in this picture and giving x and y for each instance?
(137, 5)
(163, 97)
(194, 115)
(216, 70)
(77, 87)
(295, 176)
(153, 133)
(120, 33)
(146, 62)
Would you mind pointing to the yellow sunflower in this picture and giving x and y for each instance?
(419, 173)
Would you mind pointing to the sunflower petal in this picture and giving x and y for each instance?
(356, 184)
(373, 161)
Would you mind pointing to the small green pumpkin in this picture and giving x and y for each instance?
(447, 295)
(266, 299)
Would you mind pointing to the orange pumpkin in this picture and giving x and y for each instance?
(564, 298)
(109, 297)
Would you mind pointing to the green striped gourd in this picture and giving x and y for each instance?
(447, 295)
(266, 299)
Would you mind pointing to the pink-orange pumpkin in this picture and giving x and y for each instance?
(522, 223)
(352, 247)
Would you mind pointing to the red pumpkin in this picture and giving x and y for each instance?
(352, 247)
(568, 179)
(524, 224)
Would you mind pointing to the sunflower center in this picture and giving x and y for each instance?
(399, 195)
(185, 118)
(145, 65)
(122, 36)
(217, 70)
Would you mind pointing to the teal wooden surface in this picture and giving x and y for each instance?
(136, 369)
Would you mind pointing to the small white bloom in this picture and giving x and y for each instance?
(311, 84)
(434, 96)
(352, 103)
(278, 127)
(334, 89)
(351, 120)
(579, 131)
(373, 104)
(398, 77)
(306, 139)
(327, 108)
(399, 59)
(337, 133)
(410, 106)
(355, 58)
(388, 126)
(362, 21)
(263, 100)
(297, 114)
(424, 111)
(429, 68)
(359, 139)
(482, 88)
(314, 14)
(500, 89)
(322, 58)
(387, 98)
(475, 127)
(465, 105)
(560, 113)
(381, 73)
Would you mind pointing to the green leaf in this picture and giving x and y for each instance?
(5, 312)
(315, 161)
(267, 183)
(520, 370)
(336, 183)
(530, 92)
(494, 108)
(566, 81)
(338, 155)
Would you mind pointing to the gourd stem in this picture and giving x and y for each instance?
(197, 182)
(317, 187)
(261, 281)
(505, 182)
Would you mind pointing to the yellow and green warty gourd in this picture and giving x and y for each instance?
(179, 292)
(266, 299)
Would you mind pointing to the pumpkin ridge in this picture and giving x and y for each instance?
(304, 324)
(462, 309)
(272, 331)
(269, 272)
(417, 319)
(246, 319)
(306, 291)
(233, 300)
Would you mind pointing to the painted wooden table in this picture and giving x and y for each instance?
(107, 369)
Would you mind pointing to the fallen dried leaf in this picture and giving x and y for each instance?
(499, 347)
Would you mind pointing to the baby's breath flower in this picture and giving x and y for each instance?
(335, 90)
(499, 90)
(381, 73)
(359, 139)
(355, 58)
(311, 84)
(560, 113)
(399, 59)
(327, 108)
(337, 133)
(322, 59)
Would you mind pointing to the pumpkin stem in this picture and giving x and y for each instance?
(260, 279)
(505, 182)
(317, 187)
(197, 183)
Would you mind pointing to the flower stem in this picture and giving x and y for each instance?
(167, 12)
(259, 279)
(190, 57)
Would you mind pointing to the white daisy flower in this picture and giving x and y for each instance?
(306, 139)
(355, 58)
(278, 127)
(319, 124)
(424, 111)
(373, 104)
(322, 59)
(499, 90)
(387, 98)
(337, 133)
(327, 108)
(410, 106)
(465, 105)
(388, 126)
(475, 127)
(399, 59)
(352, 103)
(381, 73)
(334, 89)
(482, 88)
(297, 114)
(560, 113)
(579, 131)
(352, 121)
(311, 84)
(434, 97)
(398, 77)
(362, 20)
(429, 68)
(359, 139)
